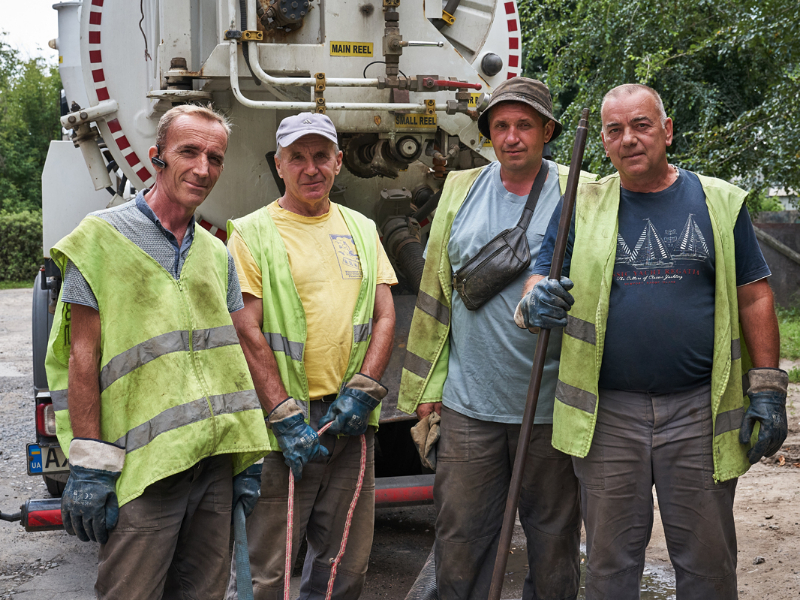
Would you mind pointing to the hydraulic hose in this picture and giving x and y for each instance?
(411, 263)
(402, 243)
(424, 587)
(243, 9)
(430, 202)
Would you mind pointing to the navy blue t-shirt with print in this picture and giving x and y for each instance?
(660, 332)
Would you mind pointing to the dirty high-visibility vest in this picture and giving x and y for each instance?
(284, 325)
(174, 383)
(591, 269)
(428, 349)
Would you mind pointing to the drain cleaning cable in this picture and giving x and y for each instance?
(290, 523)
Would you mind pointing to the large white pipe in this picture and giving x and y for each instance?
(311, 106)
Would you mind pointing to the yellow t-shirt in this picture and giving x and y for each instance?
(327, 273)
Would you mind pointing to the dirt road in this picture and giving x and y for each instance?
(53, 565)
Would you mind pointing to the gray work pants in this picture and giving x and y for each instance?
(172, 541)
(642, 440)
(321, 501)
(473, 473)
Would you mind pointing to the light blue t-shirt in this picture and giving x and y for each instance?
(490, 357)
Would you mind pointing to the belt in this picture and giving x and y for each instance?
(326, 399)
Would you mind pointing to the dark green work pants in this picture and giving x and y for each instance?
(473, 473)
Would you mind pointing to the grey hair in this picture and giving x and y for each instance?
(632, 88)
(192, 110)
(335, 149)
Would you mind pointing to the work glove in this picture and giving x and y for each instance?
(350, 411)
(545, 306)
(89, 506)
(767, 395)
(426, 435)
(299, 443)
(247, 488)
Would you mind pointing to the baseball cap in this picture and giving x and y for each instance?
(521, 89)
(293, 128)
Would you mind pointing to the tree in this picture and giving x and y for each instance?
(728, 72)
(29, 118)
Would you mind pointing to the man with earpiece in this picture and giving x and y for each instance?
(153, 397)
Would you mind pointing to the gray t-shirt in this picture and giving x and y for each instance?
(490, 357)
(137, 222)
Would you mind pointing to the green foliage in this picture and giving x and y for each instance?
(15, 285)
(789, 324)
(20, 245)
(794, 375)
(29, 118)
(727, 70)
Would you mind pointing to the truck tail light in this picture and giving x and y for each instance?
(45, 419)
(42, 515)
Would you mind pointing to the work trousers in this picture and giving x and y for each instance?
(171, 542)
(473, 473)
(665, 440)
(321, 501)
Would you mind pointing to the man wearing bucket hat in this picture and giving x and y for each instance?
(317, 333)
(466, 362)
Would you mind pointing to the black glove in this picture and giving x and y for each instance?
(247, 488)
(299, 443)
(350, 411)
(546, 305)
(89, 506)
(767, 395)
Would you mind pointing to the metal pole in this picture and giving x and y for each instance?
(538, 364)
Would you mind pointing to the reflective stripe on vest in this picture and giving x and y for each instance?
(278, 343)
(186, 414)
(166, 343)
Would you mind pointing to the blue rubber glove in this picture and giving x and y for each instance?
(546, 305)
(299, 443)
(247, 488)
(89, 507)
(350, 411)
(767, 395)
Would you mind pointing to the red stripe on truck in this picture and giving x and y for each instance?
(404, 494)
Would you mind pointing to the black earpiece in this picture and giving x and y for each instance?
(157, 160)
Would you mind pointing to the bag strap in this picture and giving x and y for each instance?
(533, 197)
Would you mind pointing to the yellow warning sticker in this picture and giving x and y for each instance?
(473, 100)
(60, 59)
(351, 48)
(415, 121)
(486, 142)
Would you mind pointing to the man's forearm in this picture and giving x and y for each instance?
(263, 369)
(83, 393)
(380, 346)
(759, 324)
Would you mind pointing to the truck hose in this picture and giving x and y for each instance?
(424, 587)
(411, 263)
(244, 583)
(243, 10)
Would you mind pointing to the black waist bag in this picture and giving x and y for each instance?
(500, 261)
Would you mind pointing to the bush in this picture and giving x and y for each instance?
(789, 323)
(20, 245)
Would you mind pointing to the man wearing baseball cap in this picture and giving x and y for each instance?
(472, 366)
(317, 334)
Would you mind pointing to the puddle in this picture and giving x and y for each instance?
(658, 583)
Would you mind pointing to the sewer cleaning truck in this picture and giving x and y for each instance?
(401, 80)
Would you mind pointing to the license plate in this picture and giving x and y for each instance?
(46, 459)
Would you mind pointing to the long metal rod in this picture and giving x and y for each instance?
(538, 364)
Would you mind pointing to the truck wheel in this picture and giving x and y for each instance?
(54, 486)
